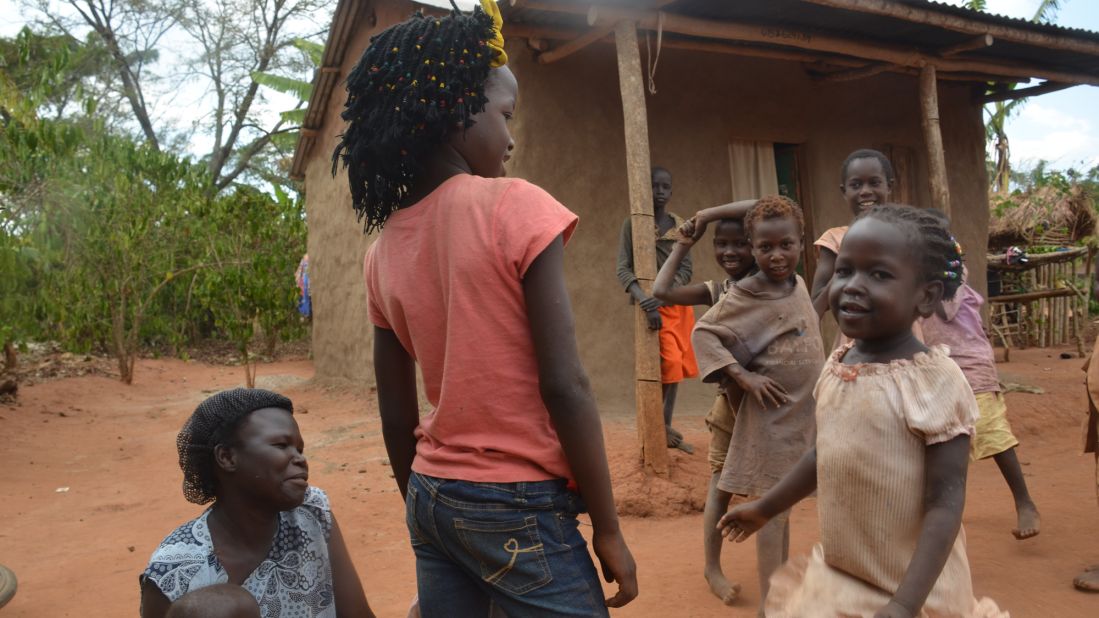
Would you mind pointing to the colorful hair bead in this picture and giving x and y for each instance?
(949, 274)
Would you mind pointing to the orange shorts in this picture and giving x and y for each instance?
(677, 357)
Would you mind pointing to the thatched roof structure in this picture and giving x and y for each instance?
(1041, 216)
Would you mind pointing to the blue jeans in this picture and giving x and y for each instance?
(515, 546)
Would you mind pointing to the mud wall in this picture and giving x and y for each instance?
(568, 133)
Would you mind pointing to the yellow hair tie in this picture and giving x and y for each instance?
(497, 42)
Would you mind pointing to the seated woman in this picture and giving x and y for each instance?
(267, 531)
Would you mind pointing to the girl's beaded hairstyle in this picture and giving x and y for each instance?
(929, 230)
(773, 207)
(417, 83)
(867, 153)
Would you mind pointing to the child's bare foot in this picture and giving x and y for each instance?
(1029, 522)
(1088, 581)
(722, 587)
(672, 431)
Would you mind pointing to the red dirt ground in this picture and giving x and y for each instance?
(78, 552)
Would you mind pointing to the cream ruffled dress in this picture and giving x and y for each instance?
(874, 422)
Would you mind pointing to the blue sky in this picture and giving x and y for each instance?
(1060, 127)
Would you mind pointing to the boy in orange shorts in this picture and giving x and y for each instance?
(675, 322)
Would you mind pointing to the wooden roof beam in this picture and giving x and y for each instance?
(541, 34)
(804, 39)
(574, 45)
(1010, 95)
(979, 42)
(957, 23)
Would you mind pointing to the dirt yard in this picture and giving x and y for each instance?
(91, 485)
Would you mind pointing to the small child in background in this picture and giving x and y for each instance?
(733, 253)
(217, 601)
(763, 337)
(894, 420)
(677, 360)
(957, 324)
(866, 180)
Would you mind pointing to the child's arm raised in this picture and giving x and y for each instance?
(732, 210)
(826, 267)
(565, 389)
(398, 405)
(664, 287)
(945, 470)
(746, 519)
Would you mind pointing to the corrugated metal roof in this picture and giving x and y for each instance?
(862, 24)
(995, 18)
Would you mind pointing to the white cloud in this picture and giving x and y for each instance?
(1011, 8)
(1046, 117)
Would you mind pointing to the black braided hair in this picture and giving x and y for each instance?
(417, 82)
(773, 207)
(940, 255)
(867, 153)
(215, 421)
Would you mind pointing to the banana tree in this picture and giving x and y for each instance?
(999, 112)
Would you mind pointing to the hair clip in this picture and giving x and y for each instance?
(948, 274)
(954, 263)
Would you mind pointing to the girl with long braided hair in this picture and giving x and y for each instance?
(466, 280)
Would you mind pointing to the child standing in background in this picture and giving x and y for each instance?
(894, 420)
(466, 281)
(866, 180)
(957, 324)
(763, 336)
(733, 253)
(677, 360)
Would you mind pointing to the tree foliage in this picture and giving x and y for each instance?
(109, 243)
(218, 47)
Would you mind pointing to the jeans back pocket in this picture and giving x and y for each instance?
(509, 552)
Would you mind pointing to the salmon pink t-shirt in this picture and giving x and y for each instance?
(446, 276)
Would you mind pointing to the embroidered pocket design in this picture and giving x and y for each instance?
(509, 553)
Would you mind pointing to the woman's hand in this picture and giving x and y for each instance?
(742, 521)
(894, 610)
(651, 303)
(764, 389)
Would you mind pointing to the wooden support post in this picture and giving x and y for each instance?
(650, 408)
(933, 137)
